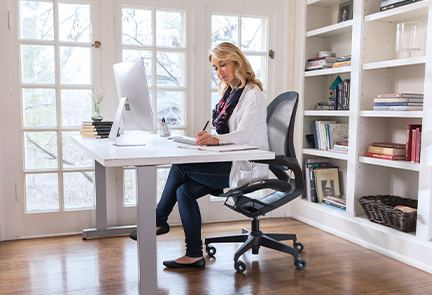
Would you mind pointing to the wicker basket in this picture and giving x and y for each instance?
(380, 209)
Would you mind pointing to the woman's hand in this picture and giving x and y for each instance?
(203, 138)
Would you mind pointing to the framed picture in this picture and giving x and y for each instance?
(327, 182)
(345, 11)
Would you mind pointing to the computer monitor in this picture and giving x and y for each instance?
(134, 108)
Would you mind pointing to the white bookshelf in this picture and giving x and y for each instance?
(369, 37)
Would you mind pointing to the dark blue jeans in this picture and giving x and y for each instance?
(185, 184)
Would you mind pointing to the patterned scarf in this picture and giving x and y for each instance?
(224, 109)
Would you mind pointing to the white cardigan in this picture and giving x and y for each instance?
(248, 125)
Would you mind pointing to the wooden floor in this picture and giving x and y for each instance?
(69, 265)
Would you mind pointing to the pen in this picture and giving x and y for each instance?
(205, 126)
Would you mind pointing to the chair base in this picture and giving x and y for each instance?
(254, 239)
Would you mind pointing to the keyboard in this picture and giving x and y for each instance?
(183, 139)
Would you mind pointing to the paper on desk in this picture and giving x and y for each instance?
(224, 148)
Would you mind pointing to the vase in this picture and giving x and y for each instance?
(97, 116)
(408, 38)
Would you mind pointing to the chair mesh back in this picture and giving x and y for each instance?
(280, 123)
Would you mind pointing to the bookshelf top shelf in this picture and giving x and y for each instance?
(395, 63)
(323, 3)
(405, 165)
(330, 71)
(402, 13)
(332, 30)
(325, 154)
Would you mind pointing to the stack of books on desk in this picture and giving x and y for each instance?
(387, 151)
(398, 102)
(96, 129)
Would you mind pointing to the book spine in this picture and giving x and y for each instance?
(388, 2)
(408, 143)
(398, 95)
(413, 144)
(385, 157)
(419, 146)
(390, 145)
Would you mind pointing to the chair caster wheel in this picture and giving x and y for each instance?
(211, 251)
(240, 266)
(300, 263)
(299, 246)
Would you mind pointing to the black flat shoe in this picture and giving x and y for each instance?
(165, 228)
(198, 264)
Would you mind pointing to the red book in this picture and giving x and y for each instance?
(390, 145)
(410, 127)
(385, 157)
(413, 144)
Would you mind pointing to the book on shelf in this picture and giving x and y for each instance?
(401, 94)
(398, 108)
(310, 165)
(337, 132)
(340, 64)
(387, 150)
(333, 206)
(396, 4)
(419, 104)
(320, 134)
(385, 157)
(344, 58)
(335, 201)
(327, 182)
(390, 145)
(411, 141)
(398, 99)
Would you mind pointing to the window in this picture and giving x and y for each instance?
(250, 35)
(159, 37)
(55, 77)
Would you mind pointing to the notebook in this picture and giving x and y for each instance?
(190, 140)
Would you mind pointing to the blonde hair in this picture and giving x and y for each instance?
(227, 52)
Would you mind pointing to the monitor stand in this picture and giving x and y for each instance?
(123, 140)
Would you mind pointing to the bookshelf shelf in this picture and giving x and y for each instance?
(320, 207)
(392, 114)
(395, 63)
(400, 14)
(323, 3)
(332, 30)
(331, 71)
(370, 38)
(391, 164)
(325, 154)
(313, 113)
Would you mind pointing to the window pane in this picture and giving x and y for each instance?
(40, 150)
(136, 26)
(170, 105)
(78, 190)
(215, 80)
(129, 187)
(75, 65)
(37, 64)
(73, 155)
(224, 29)
(259, 65)
(254, 32)
(76, 106)
(39, 107)
(36, 20)
(147, 55)
(170, 69)
(42, 192)
(74, 22)
(170, 27)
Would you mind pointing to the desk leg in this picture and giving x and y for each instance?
(146, 227)
(102, 229)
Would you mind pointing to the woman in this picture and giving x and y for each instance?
(240, 118)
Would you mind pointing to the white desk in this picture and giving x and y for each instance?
(157, 151)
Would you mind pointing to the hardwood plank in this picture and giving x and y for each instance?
(70, 265)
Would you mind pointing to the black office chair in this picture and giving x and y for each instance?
(280, 120)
